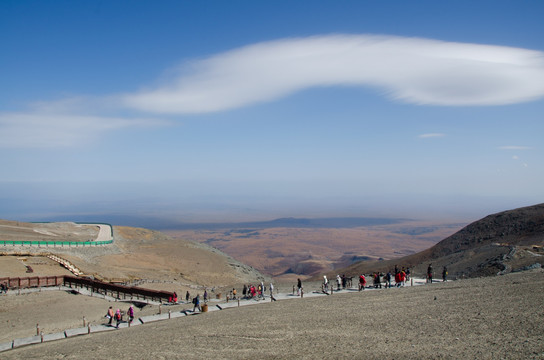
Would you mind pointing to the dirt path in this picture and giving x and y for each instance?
(488, 318)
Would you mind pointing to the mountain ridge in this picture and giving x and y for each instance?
(498, 243)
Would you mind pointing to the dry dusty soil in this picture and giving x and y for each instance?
(484, 318)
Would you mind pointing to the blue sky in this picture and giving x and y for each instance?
(218, 110)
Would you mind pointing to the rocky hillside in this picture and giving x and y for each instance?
(136, 256)
(507, 241)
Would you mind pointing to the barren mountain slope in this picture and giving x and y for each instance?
(142, 254)
(501, 242)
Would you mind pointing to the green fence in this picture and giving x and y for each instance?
(61, 243)
(55, 243)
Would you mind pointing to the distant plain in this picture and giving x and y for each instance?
(298, 249)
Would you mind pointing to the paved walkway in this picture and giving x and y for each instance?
(166, 314)
(104, 232)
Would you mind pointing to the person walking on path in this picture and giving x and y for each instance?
(117, 318)
(130, 313)
(299, 286)
(196, 303)
(444, 274)
(397, 279)
(325, 284)
(187, 296)
(430, 274)
(109, 315)
(362, 282)
(377, 281)
(272, 298)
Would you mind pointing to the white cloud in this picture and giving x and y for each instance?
(431, 135)
(38, 130)
(412, 70)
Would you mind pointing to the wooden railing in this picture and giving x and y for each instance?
(33, 281)
(117, 291)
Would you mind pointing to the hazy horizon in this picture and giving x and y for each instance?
(116, 203)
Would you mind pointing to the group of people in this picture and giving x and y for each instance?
(342, 282)
(173, 298)
(256, 292)
(430, 273)
(118, 316)
(400, 277)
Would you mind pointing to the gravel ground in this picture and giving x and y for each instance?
(486, 318)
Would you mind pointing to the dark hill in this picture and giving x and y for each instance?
(499, 243)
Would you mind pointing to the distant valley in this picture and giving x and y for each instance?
(288, 248)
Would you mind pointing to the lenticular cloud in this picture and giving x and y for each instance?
(412, 70)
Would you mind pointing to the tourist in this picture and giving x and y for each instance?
(338, 282)
(117, 318)
(444, 274)
(205, 295)
(259, 291)
(109, 315)
(130, 313)
(187, 296)
(272, 298)
(196, 303)
(430, 273)
(244, 292)
(362, 282)
(325, 284)
(299, 286)
(233, 293)
(388, 279)
(398, 279)
(377, 281)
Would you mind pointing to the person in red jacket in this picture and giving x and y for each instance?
(362, 282)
